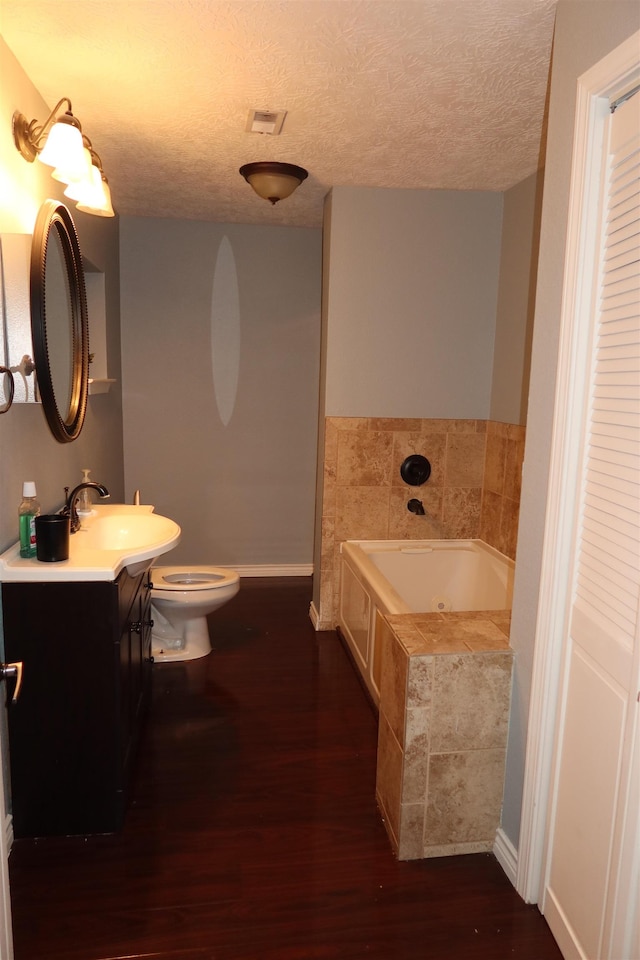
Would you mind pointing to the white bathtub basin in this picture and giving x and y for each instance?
(113, 537)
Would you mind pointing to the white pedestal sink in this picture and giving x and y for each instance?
(114, 536)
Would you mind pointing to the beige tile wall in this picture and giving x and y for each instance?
(501, 486)
(473, 490)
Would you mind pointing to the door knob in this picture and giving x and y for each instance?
(12, 671)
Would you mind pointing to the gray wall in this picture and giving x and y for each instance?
(516, 301)
(29, 452)
(410, 302)
(242, 493)
(585, 33)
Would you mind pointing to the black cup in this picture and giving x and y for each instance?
(52, 537)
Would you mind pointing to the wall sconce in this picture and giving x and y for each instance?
(273, 181)
(60, 143)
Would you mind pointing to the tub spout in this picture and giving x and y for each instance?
(415, 506)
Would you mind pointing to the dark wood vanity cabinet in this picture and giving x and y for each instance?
(86, 650)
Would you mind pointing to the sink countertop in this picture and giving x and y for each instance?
(87, 560)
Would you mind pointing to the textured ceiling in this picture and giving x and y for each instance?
(443, 94)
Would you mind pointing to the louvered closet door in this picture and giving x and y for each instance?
(592, 821)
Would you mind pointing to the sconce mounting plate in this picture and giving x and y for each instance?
(22, 137)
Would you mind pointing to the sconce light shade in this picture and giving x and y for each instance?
(92, 195)
(64, 150)
(66, 174)
(272, 180)
(100, 203)
(79, 190)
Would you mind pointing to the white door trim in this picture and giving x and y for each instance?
(6, 838)
(607, 80)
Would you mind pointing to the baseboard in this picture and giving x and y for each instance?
(316, 622)
(314, 616)
(561, 929)
(273, 569)
(8, 830)
(506, 855)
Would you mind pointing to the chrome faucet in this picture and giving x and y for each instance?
(70, 509)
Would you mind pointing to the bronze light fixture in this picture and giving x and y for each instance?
(271, 180)
(60, 143)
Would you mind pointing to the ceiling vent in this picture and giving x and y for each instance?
(266, 121)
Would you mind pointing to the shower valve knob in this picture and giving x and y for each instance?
(415, 470)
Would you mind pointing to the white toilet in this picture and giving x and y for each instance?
(181, 598)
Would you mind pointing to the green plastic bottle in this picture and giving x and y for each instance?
(27, 513)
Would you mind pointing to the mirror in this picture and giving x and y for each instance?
(19, 384)
(59, 323)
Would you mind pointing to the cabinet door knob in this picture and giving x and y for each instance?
(12, 671)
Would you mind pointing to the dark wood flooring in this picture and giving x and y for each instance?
(253, 832)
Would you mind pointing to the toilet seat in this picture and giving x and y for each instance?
(191, 578)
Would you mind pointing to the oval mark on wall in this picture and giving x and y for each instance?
(225, 331)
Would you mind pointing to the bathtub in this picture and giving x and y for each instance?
(413, 576)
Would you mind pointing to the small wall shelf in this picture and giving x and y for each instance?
(100, 384)
(99, 381)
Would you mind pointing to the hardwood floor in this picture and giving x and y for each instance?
(253, 832)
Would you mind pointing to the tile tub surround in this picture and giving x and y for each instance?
(473, 490)
(442, 735)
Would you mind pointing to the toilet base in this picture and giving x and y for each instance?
(196, 643)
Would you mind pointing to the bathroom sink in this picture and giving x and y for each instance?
(125, 532)
(114, 536)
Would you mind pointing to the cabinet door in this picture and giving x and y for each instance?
(62, 734)
(86, 650)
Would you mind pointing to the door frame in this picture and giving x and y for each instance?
(6, 834)
(615, 74)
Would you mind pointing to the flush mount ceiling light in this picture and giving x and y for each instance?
(272, 180)
(60, 143)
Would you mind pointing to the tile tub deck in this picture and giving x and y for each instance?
(445, 686)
